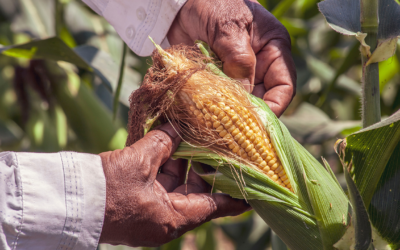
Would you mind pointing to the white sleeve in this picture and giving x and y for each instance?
(135, 20)
(51, 201)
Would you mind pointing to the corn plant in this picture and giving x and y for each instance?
(371, 156)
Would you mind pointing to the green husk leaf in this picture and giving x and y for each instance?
(314, 223)
(317, 209)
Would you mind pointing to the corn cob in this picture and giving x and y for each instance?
(242, 135)
(218, 109)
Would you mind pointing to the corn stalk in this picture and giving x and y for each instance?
(371, 112)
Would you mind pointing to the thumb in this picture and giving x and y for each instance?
(157, 145)
(238, 58)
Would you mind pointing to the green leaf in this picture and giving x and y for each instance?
(384, 50)
(10, 132)
(311, 125)
(21, 53)
(385, 204)
(326, 74)
(282, 7)
(370, 150)
(387, 70)
(35, 18)
(295, 27)
(108, 71)
(342, 15)
(373, 157)
(389, 19)
(277, 243)
(87, 116)
(50, 49)
(362, 225)
(351, 58)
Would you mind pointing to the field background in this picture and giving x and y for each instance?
(49, 106)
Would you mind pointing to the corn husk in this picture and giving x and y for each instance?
(314, 216)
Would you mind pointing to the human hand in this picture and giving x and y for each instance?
(148, 208)
(252, 44)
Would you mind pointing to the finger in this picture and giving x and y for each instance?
(194, 184)
(259, 90)
(199, 208)
(276, 65)
(173, 174)
(232, 44)
(155, 148)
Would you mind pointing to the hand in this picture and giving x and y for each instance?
(252, 44)
(147, 208)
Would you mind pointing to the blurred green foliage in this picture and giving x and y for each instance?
(48, 105)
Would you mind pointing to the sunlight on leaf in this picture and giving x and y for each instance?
(38, 131)
(118, 140)
(21, 53)
(387, 70)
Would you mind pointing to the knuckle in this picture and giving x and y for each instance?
(139, 161)
(282, 34)
(211, 208)
(161, 141)
(240, 61)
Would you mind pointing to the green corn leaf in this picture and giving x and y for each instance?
(359, 236)
(326, 74)
(90, 120)
(310, 125)
(373, 157)
(351, 58)
(282, 7)
(51, 49)
(108, 71)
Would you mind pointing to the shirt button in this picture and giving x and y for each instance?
(141, 13)
(130, 31)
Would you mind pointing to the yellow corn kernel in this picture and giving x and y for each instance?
(223, 133)
(219, 129)
(235, 131)
(231, 128)
(241, 134)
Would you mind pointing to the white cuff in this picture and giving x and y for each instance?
(135, 20)
(57, 200)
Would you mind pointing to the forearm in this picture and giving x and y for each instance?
(51, 201)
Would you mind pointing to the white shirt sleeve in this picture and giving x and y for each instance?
(135, 20)
(51, 201)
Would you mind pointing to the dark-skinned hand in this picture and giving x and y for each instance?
(252, 44)
(148, 208)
